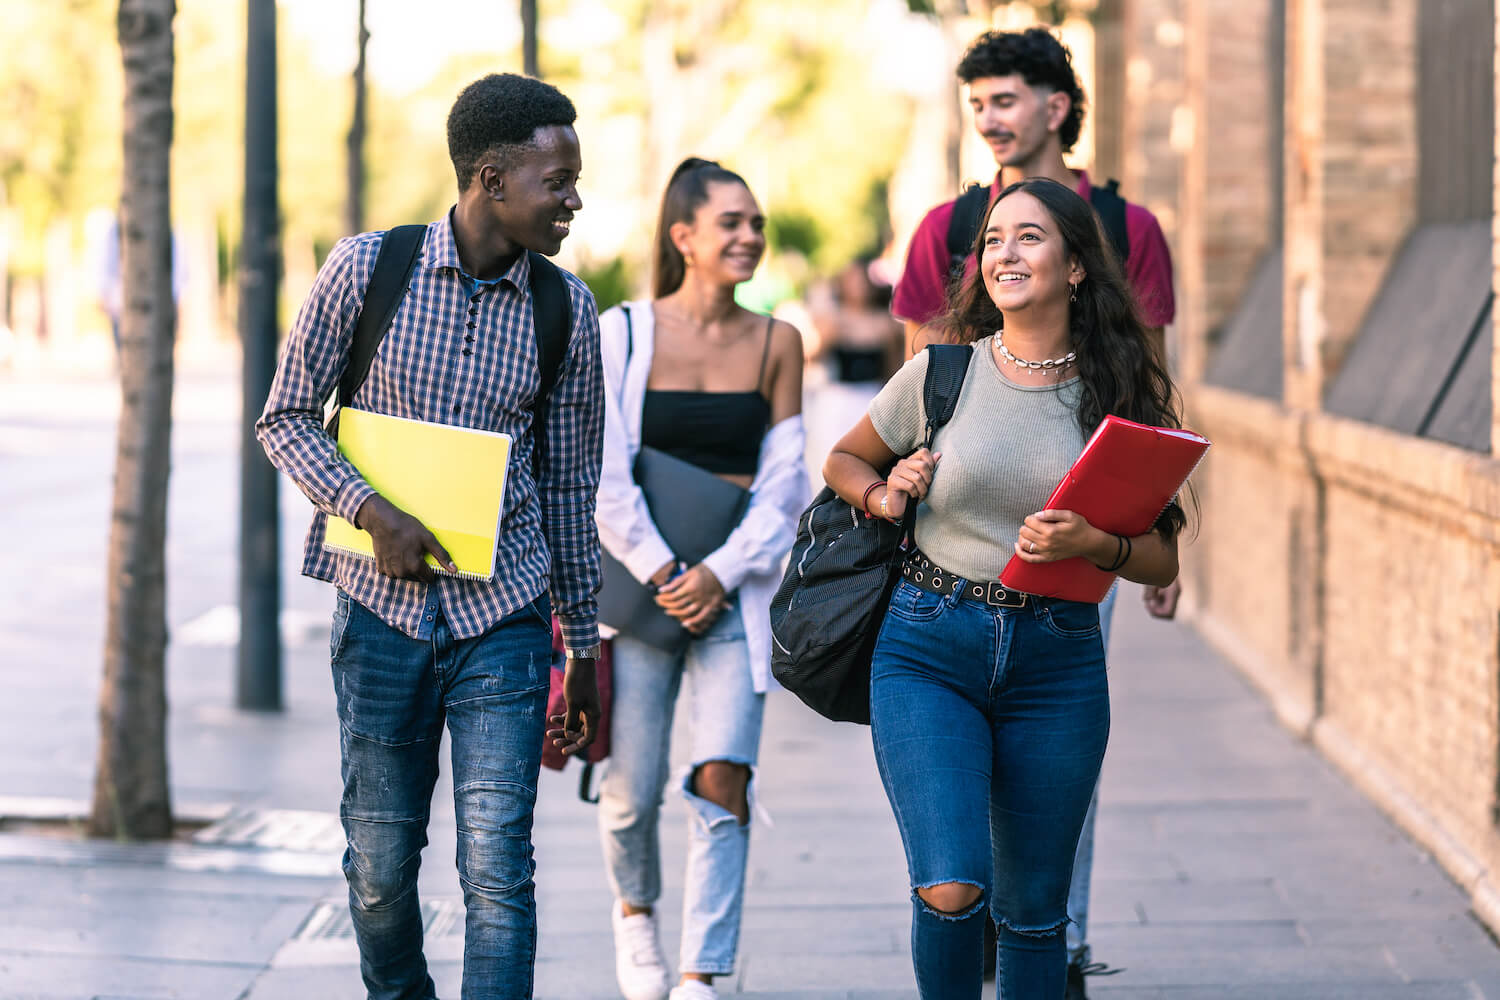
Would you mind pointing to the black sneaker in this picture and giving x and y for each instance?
(1076, 972)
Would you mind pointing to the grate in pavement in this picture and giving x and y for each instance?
(330, 921)
(278, 829)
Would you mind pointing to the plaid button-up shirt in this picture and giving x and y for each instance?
(450, 357)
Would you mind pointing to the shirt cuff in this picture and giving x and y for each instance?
(579, 633)
(724, 566)
(352, 494)
(648, 557)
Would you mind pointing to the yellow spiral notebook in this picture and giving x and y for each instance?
(452, 479)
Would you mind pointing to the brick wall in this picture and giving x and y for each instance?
(1352, 572)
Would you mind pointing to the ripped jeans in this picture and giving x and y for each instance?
(989, 720)
(725, 714)
(394, 694)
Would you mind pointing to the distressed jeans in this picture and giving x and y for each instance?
(725, 713)
(394, 695)
(989, 727)
(1083, 860)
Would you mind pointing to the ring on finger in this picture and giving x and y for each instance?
(1032, 546)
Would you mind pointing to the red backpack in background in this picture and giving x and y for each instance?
(552, 756)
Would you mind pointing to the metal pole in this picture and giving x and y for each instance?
(529, 61)
(258, 681)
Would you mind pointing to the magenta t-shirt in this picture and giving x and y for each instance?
(920, 292)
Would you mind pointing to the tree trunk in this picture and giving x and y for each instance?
(258, 678)
(131, 796)
(529, 59)
(354, 211)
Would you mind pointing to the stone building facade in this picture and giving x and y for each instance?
(1325, 170)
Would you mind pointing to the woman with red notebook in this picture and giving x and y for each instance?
(989, 705)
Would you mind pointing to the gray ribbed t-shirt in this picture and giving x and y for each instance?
(1004, 451)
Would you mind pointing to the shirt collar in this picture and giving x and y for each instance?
(1084, 189)
(441, 250)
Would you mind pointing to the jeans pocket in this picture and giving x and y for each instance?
(340, 625)
(914, 604)
(541, 611)
(1071, 619)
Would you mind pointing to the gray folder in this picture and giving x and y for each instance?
(695, 511)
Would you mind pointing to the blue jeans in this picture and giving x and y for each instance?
(394, 694)
(725, 712)
(1083, 859)
(989, 719)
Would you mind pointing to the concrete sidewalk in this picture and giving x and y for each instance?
(1232, 861)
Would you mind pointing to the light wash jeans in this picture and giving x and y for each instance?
(725, 713)
(394, 695)
(1083, 860)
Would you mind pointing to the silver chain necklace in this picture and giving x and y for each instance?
(1051, 364)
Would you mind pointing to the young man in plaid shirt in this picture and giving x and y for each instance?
(411, 649)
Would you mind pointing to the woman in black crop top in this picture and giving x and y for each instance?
(693, 374)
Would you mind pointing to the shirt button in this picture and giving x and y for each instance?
(473, 311)
(474, 297)
(469, 338)
(457, 408)
(429, 618)
(467, 352)
(470, 324)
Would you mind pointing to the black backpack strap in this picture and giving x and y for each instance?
(552, 320)
(963, 227)
(1110, 208)
(399, 249)
(947, 365)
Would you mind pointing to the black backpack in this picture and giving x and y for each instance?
(968, 213)
(843, 567)
(551, 315)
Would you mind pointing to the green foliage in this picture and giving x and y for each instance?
(609, 281)
(793, 229)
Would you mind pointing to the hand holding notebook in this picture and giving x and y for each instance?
(1124, 478)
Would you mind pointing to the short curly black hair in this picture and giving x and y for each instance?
(499, 114)
(1039, 58)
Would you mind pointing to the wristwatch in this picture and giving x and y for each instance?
(587, 652)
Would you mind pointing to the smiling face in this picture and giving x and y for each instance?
(1016, 120)
(535, 196)
(727, 237)
(1025, 261)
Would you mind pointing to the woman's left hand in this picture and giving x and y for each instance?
(1050, 535)
(694, 598)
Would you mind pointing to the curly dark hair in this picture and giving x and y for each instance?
(1039, 58)
(499, 114)
(686, 191)
(1118, 369)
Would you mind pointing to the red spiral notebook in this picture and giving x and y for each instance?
(1123, 479)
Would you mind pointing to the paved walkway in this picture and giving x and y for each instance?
(1233, 862)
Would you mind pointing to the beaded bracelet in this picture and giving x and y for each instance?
(864, 501)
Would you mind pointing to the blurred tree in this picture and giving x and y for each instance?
(132, 799)
(354, 211)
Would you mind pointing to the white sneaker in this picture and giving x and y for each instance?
(640, 966)
(693, 989)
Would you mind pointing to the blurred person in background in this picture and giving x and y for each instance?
(695, 375)
(858, 347)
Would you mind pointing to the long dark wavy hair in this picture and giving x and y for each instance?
(687, 190)
(1118, 370)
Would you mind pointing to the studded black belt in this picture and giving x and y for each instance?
(928, 575)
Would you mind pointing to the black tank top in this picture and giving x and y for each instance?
(719, 432)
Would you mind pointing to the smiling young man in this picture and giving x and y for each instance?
(411, 650)
(1029, 109)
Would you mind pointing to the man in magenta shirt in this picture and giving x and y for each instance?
(1029, 108)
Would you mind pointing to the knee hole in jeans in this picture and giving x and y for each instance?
(951, 899)
(726, 784)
